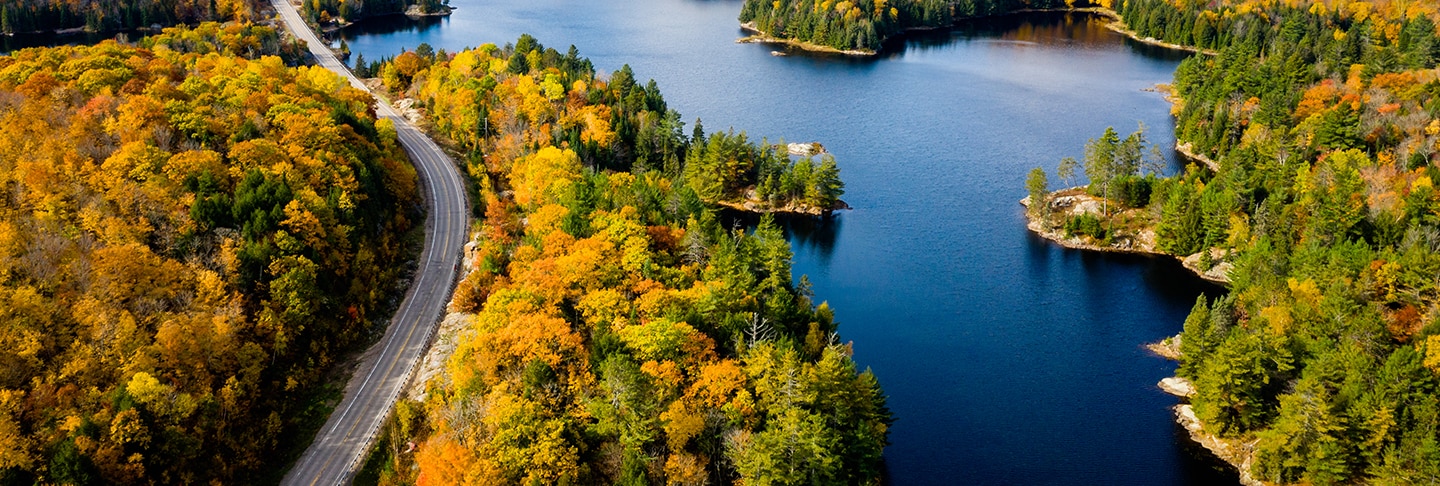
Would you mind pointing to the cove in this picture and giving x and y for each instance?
(1007, 359)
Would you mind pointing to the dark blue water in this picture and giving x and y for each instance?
(1008, 360)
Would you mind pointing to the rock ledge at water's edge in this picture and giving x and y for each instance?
(1074, 202)
(1239, 453)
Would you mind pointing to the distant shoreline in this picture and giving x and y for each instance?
(1116, 24)
(762, 37)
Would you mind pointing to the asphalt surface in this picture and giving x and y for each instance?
(341, 445)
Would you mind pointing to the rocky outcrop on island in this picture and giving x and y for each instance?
(415, 11)
(1168, 348)
(805, 149)
(1067, 203)
(1131, 231)
(1188, 150)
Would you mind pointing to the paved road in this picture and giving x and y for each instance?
(339, 447)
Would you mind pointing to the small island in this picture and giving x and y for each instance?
(1121, 210)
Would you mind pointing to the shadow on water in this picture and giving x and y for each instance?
(1200, 464)
(391, 24)
(1067, 29)
(1164, 275)
(817, 234)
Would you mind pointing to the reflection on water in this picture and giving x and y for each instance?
(391, 25)
(811, 234)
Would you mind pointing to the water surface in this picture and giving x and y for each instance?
(1007, 359)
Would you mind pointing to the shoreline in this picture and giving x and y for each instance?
(412, 12)
(1217, 274)
(1116, 24)
(752, 207)
(1187, 149)
(1239, 453)
(762, 37)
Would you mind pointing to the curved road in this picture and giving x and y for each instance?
(339, 447)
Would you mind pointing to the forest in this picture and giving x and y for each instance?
(619, 331)
(327, 12)
(26, 16)
(22, 16)
(865, 24)
(191, 234)
(1321, 118)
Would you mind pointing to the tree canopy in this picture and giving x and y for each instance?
(1321, 120)
(191, 233)
(621, 334)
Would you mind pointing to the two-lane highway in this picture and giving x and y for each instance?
(339, 447)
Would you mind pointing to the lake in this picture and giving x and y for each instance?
(1007, 359)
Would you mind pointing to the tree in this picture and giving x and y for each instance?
(795, 448)
(212, 228)
(1039, 188)
(828, 186)
(1066, 171)
(1100, 164)
(361, 69)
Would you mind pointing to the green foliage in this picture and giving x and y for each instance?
(1085, 225)
(867, 24)
(1133, 191)
(1319, 119)
(1038, 187)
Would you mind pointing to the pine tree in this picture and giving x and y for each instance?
(361, 70)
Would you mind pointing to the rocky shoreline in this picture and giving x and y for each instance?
(1141, 242)
(761, 207)
(1238, 453)
(1116, 25)
(413, 12)
(761, 37)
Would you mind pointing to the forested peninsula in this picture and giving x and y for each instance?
(1320, 365)
(612, 329)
